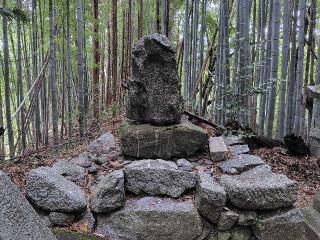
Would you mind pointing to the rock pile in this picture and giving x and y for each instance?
(155, 106)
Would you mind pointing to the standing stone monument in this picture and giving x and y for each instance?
(155, 106)
(18, 220)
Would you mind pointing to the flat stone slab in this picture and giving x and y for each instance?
(281, 225)
(312, 221)
(218, 149)
(152, 218)
(144, 141)
(260, 191)
(210, 198)
(240, 163)
(157, 177)
(18, 220)
(233, 140)
(239, 149)
(50, 191)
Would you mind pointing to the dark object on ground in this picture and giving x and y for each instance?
(232, 125)
(255, 142)
(296, 145)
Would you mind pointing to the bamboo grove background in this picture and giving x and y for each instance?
(65, 62)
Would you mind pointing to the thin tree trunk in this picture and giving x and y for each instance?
(114, 49)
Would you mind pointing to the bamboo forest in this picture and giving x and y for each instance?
(160, 119)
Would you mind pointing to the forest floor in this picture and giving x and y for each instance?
(305, 170)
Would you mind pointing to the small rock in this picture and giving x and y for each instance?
(93, 169)
(281, 225)
(101, 160)
(227, 220)
(50, 191)
(210, 198)
(240, 163)
(233, 140)
(184, 165)
(247, 218)
(316, 202)
(69, 170)
(84, 159)
(260, 191)
(103, 144)
(218, 149)
(61, 219)
(158, 177)
(109, 194)
(152, 218)
(239, 149)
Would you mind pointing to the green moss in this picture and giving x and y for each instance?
(65, 235)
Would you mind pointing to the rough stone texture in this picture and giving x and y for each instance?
(84, 159)
(18, 220)
(103, 144)
(152, 218)
(240, 163)
(109, 194)
(316, 202)
(227, 220)
(145, 141)
(44, 217)
(233, 140)
(61, 219)
(241, 233)
(312, 221)
(69, 170)
(288, 225)
(262, 169)
(184, 165)
(239, 149)
(158, 177)
(247, 218)
(51, 192)
(218, 149)
(154, 92)
(210, 198)
(260, 191)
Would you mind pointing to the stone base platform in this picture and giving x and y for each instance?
(145, 141)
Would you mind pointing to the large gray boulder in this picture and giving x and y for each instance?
(49, 191)
(210, 198)
(154, 92)
(109, 194)
(69, 170)
(103, 145)
(262, 191)
(145, 141)
(18, 220)
(284, 225)
(152, 218)
(240, 163)
(158, 177)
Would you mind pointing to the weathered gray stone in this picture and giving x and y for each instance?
(312, 221)
(103, 144)
(109, 194)
(44, 217)
(18, 220)
(93, 169)
(247, 218)
(152, 218)
(224, 236)
(84, 159)
(281, 225)
(316, 202)
(51, 192)
(233, 140)
(262, 169)
(227, 220)
(260, 191)
(69, 170)
(86, 221)
(218, 149)
(61, 219)
(184, 165)
(240, 163)
(145, 141)
(102, 159)
(158, 177)
(239, 149)
(210, 198)
(154, 92)
(241, 233)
